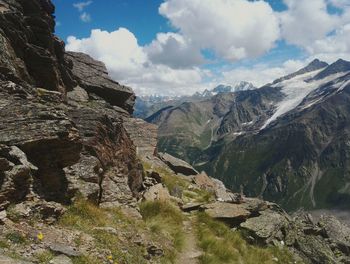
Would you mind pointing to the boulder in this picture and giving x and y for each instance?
(61, 259)
(78, 94)
(92, 75)
(157, 193)
(203, 181)
(232, 214)
(16, 176)
(144, 136)
(177, 165)
(223, 195)
(3, 217)
(64, 249)
(266, 226)
(191, 207)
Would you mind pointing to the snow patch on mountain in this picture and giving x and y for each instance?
(296, 89)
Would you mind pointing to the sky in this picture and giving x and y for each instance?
(176, 47)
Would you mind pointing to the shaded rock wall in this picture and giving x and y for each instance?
(29, 47)
(144, 136)
(62, 113)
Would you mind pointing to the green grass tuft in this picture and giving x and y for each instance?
(16, 238)
(165, 219)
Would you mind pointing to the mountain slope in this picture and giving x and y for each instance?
(190, 128)
(299, 159)
(287, 141)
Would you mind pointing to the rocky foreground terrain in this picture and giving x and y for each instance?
(81, 181)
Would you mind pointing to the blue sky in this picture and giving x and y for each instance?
(183, 46)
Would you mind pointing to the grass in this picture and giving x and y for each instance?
(12, 214)
(44, 257)
(16, 238)
(222, 245)
(84, 216)
(4, 244)
(165, 219)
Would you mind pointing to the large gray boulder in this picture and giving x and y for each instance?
(92, 75)
(177, 165)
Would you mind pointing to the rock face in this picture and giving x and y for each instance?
(93, 77)
(314, 242)
(177, 165)
(144, 136)
(29, 47)
(62, 132)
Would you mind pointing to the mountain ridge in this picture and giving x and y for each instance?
(249, 116)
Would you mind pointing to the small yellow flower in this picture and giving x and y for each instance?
(40, 236)
(110, 257)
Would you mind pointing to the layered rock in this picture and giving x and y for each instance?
(62, 131)
(29, 47)
(144, 136)
(92, 75)
(177, 165)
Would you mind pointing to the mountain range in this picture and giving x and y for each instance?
(288, 141)
(149, 104)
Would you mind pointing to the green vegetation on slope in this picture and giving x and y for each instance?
(165, 219)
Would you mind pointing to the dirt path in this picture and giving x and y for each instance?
(191, 252)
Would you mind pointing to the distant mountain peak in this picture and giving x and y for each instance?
(314, 65)
(337, 67)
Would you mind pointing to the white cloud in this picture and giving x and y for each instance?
(128, 63)
(119, 50)
(334, 46)
(85, 17)
(339, 3)
(174, 50)
(307, 21)
(232, 29)
(82, 5)
(260, 74)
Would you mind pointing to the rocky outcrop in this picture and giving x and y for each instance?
(325, 241)
(62, 132)
(177, 165)
(15, 175)
(29, 47)
(144, 136)
(92, 75)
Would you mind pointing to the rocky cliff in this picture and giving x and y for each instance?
(62, 132)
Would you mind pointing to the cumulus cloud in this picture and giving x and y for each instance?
(260, 74)
(174, 50)
(82, 5)
(232, 29)
(306, 21)
(334, 46)
(128, 63)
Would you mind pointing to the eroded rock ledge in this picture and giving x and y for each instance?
(63, 114)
